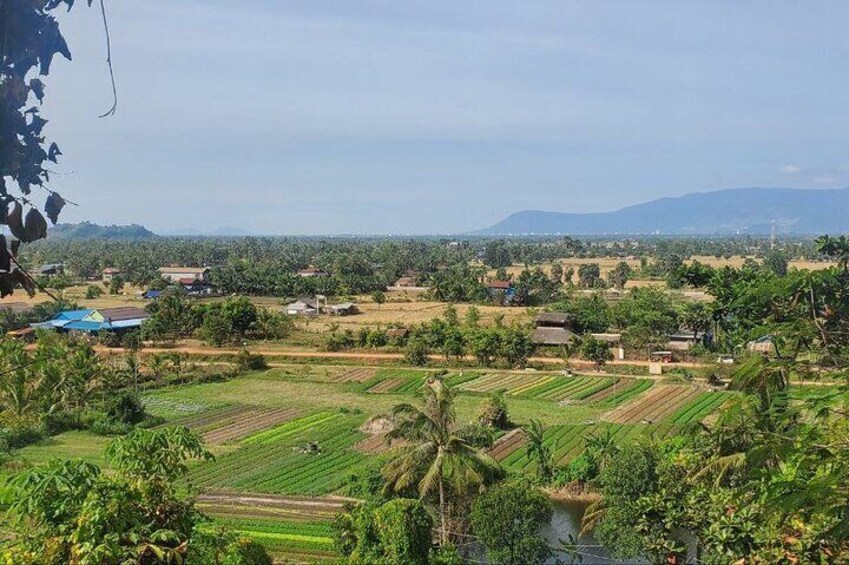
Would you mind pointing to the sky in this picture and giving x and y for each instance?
(370, 117)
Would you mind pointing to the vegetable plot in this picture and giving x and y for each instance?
(655, 405)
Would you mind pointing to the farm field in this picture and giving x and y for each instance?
(298, 527)
(554, 388)
(656, 404)
(287, 439)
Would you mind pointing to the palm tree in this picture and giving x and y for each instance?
(437, 453)
(539, 451)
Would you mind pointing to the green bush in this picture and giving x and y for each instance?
(126, 408)
(65, 420)
(19, 431)
(248, 361)
(93, 291)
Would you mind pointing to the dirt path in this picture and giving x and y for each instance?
(366, 356)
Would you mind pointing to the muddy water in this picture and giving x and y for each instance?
(566, 522)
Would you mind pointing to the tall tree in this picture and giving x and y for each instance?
(439, 458)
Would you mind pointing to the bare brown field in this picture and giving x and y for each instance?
(654, 405)
(235, 422)
(376, 444)
(387, 386)
(360, 375)
(738, 260)
(247, 505)
(249, 423)
(408, 314)
(507, 444)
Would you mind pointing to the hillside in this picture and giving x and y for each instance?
(732, 211)
(88, 230)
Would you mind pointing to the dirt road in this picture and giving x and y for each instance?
(364, 356)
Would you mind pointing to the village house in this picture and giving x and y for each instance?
(553, 328)
(503, 291)
(684, 341)
(94, 321)
(342, 309)
(181, 274)
(51, 269)
(302, 307)
(110, 273)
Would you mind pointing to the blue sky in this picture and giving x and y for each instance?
(311, 117)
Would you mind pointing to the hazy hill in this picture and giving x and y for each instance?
(741, 210)
(88, 230)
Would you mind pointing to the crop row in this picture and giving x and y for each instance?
(573, 388)
(655, 406)
(568, 441)
(503, 381)
(460, 378)
(704, 404)
(620, 394)
(290, 428)
(300, 541)
(284, 466)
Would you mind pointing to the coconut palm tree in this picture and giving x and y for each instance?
(437, 454)
(539, 451)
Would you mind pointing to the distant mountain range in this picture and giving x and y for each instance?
(88, 230)
(732, 211)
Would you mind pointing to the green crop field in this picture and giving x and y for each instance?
(623, 391)
(557, 389)
(306, 541)
(327, 407)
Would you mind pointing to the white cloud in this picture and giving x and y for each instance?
(789, 169)
(827, 179)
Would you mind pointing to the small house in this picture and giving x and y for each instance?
(544, 335)
(397, 333)
(196, 287)
(405, 282)
(51, 269)
(110, 273)
(302, 307)
(93, 321)
(180, 274)
(342, 309)
(553, 319)
(502, 290)
(686, 340)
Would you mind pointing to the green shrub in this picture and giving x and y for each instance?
(126, 408)
(65, 420)
(19, 431)
(93, 291)
(248, 361)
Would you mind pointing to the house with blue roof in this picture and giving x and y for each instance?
(93, 321)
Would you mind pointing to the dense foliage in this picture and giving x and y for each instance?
(72, 512)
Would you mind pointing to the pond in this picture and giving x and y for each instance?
(566, 522)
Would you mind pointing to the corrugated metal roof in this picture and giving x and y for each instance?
(123, 313)
(79, 325)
